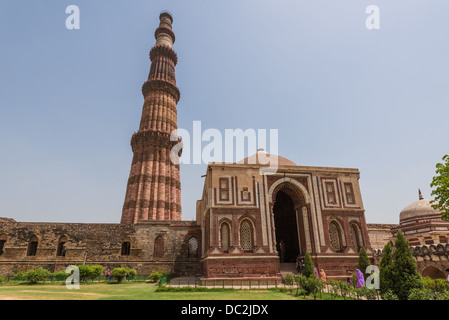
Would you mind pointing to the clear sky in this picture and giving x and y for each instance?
(339, 94)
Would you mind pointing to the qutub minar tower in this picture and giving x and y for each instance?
(154, 187)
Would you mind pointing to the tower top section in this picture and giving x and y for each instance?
(164, 34)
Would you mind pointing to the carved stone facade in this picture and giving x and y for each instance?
(295, 210)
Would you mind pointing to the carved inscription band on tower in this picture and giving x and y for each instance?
(154, 187)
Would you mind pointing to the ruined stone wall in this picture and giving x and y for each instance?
(99, 244)
(379, 234)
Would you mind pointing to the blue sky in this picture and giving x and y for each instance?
(339, 94)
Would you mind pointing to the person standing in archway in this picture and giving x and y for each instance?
(282, 250)
(298, 265)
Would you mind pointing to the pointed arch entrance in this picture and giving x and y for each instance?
(290, 221)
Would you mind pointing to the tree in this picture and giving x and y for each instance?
(405, 275)
(314, 286)
(386, 279)
(441, 192)
(302, 282)
(364, 262)
(308, 269)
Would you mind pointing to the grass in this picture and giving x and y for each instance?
(133, 291)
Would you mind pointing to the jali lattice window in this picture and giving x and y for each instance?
(193, 247)
(334, 234)
(158, 247)
(246, 237)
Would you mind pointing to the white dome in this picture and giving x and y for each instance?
(421, 209)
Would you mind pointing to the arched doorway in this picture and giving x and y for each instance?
(433, 273)
(288, 223)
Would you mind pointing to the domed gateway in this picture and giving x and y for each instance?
(428, 236)
(419, 219)
(257, 221)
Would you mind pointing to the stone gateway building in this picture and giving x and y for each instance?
(253, 223)
(250, 222)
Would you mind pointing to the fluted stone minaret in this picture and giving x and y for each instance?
(154, 187)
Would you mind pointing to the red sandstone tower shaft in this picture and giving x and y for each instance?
(154, 187)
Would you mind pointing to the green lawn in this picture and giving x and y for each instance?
(131, 291)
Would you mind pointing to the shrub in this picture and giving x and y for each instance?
(314, 286)
(289, 279)
(436, 285)
(389, 295)
(60, 275)
(421, 294)
(89, 271)
(130, 272)
(354, 280)
(364, 292)
(118, 274)
(333, 288)
(36, 275)
(85, 272)
(2, 278)
(96, 270)
(19, 276)
(442, 295)
(344, 289)
(157, 275)
(302, 283)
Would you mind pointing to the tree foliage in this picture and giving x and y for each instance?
(89, 271)
(364, 262)
(308, 268)
(441, 192)
(157, 275)
(118, 274)
(405, 275)
(386, 279)
(36, 275)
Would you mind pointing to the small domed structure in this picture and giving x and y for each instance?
(418, 210)
(261, 157)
